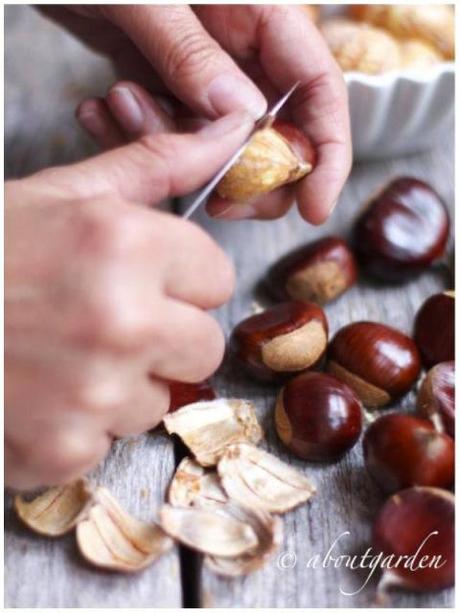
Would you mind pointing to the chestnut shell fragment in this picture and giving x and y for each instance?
(403, 230)
(320, 271)
(436, 397)
(318, 417)
(434, 329)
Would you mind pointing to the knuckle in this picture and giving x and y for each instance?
(113, 324)
(67, 454)
(189, 55)
(106, 228)
(210, 338)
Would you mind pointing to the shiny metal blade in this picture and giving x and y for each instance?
(215, 180)
(264, 121)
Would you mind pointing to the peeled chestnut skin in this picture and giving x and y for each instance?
(318, 272)
(402, 232)
(379, 362)
(436, 397)
(318, 417)
(299, 142)
(401, 450)
(434, 329)
(404, 523)
(182, 394)
(281, 341)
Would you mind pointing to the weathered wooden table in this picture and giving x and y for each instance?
(47, 73)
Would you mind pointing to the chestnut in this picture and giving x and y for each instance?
(416, 527)
(379, 362)
(182, 394)
(276, 155)
(436, 397)
(401, 450)
(434, 329)
(318, 417)
(319, 271)
(403, 230)
(284, 339)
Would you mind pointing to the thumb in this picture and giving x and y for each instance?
(189, 61)
(156, 166)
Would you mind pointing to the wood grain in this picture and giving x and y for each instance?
(42, 90)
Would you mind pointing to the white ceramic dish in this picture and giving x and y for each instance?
(399, 112)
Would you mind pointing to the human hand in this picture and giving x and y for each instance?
(209, 60)
(106, 299)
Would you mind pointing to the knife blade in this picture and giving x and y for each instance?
(264, 122)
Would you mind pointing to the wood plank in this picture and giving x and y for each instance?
(347, 499)
(40, 130)
(43, 572)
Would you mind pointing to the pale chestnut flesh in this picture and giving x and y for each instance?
(275, 156)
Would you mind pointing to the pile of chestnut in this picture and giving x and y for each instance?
(319, 415)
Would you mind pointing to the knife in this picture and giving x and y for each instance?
(264, 122)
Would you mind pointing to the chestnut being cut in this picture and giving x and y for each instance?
(317, 272)
(318, 417)
(403, 230)
(434, 330)
(401, 450)
(379, 362)
(281, 341)
(436, 397)
(275, 155)
(417, 522)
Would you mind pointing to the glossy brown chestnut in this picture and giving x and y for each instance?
(182, 394)
(401, 450)
(317, 272)
(318, 417)
(436, 397)
(402, 231)
(418, 522)
(378, 362)
(434, 330)
(281, 341)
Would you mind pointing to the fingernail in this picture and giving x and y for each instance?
(239, 120)
(127, 109)
(228, 93)
(237, 211)
(92, 122)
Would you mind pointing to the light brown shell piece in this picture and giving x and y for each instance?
(418, 55)
(295, 350)
(370, 395)
(269, 532)
(214, 531)
(110, 538)
(193, 485)
(432, 23)
(207, 427)
(57, 510)
(361, 47)
(256, 479)
(267, 162)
